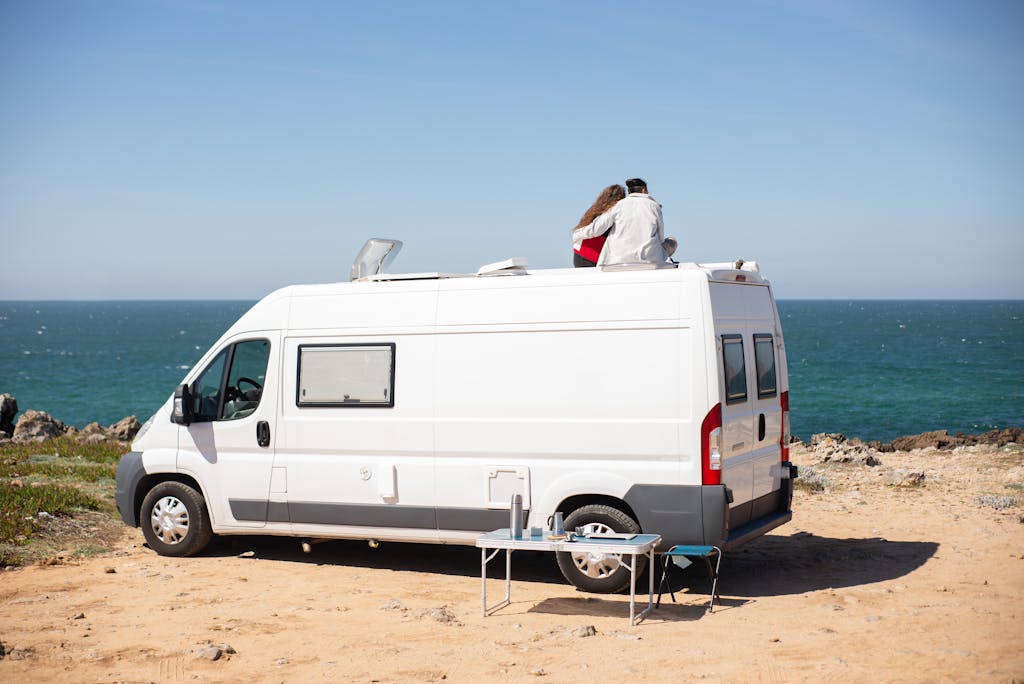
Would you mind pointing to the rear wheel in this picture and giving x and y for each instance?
(174, 520)
(600, 573)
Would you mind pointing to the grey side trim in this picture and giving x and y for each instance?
(363, 515)
(242, 509)
(277, 511)
(372, 515)
(130, 472)
(474, 519)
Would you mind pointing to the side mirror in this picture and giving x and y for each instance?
(181, 409)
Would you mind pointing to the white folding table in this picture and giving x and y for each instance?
(638, 545)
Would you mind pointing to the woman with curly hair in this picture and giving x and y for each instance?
(586, 252)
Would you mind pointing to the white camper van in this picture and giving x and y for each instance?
(411, 407)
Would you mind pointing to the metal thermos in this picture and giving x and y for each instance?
(516, 517)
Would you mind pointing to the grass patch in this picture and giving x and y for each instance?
(63, 479)
(56, 467)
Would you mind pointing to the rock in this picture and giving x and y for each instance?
(836, 448)
(941, 439)
(905, 478)
(37, 426)
(628, 636)
(95, 438)
(936, 439)
(93, 428)
(584, 631)
(80, 616)
(3, 650)
(125, 429)
(393, 604)
(8, 409)
(20, 653)
(210, 652)
(539, 672)
(441, 614)
(110, 571)
(281, 661)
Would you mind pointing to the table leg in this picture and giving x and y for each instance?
(632, 589)
(484, 560)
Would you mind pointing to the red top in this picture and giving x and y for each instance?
(590, 249)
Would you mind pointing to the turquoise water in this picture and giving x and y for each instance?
(871, 369)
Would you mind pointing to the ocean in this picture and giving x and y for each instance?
(869, 369)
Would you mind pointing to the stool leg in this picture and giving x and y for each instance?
(661, 584)
(712, 577)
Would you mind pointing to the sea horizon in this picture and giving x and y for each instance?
(875, 369)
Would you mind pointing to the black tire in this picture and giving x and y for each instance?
(599, 573)
(174, 520)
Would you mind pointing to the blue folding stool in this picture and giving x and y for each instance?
(690, 551)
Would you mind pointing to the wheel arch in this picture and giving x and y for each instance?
(571, 503)
(152, 480)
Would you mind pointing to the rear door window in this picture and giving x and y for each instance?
(764, 357)
(735, 369)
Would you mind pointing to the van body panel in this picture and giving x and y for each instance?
(455, 393)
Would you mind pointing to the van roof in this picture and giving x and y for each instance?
(732, 271)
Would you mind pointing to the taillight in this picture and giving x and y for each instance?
(784, 440)
(711, 446)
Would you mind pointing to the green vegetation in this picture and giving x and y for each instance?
(812, 480)
(996, 501)
(44, 486)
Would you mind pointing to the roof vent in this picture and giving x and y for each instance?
(513, 266)
(376, 255)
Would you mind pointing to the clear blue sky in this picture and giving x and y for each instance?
(207, 149)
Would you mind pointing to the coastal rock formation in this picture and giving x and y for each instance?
(124, 429)
(37, 426)
(836, 448)
(8, 409)
(941, 439)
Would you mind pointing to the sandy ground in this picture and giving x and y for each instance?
(870, 582)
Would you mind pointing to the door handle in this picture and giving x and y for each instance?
(263, 433)
(760, 428)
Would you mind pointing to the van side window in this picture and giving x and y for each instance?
(764, 357)
(234, 394)
(735, 369)
(349, 375)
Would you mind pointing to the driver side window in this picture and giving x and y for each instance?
(234, 394)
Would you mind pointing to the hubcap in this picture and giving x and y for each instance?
(169, 520)
(596, 565)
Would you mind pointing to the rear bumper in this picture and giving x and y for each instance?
(700, 514)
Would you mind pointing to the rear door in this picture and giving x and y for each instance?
(767, 411)
(751, 410)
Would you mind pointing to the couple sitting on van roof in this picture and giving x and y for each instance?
(622, 229)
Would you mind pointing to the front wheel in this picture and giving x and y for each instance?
(600, 573)
(174, 520)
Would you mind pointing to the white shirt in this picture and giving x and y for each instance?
(637, 231)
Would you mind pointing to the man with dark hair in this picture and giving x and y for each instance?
(636, 185)
(635, 227)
